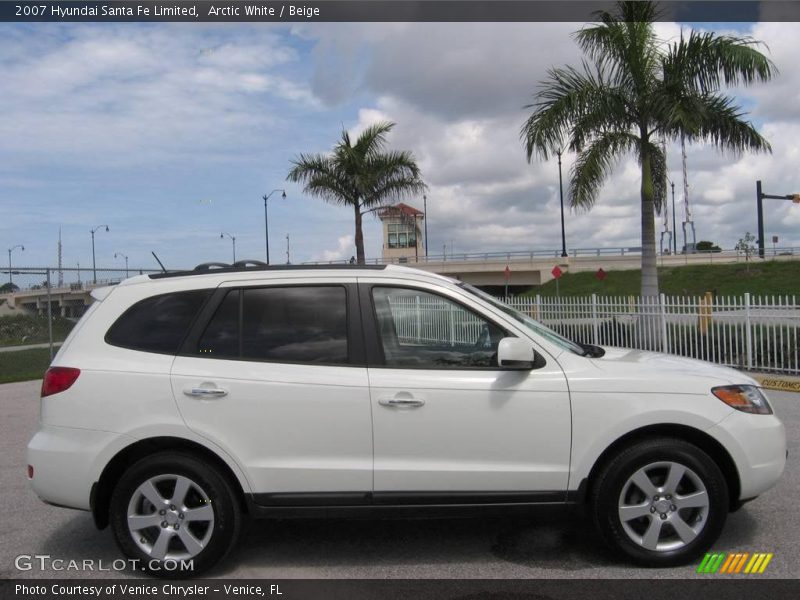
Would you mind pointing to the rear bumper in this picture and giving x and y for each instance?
(64, 462)
(757, 444)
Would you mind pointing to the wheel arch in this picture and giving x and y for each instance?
(702, 440)
(100, 499)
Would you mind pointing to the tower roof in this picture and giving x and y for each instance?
(398, 210)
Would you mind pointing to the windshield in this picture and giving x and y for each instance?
(527, 321)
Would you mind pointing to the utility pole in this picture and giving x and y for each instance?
(686, 206)
(10, 250)
(60, 268)
(760, 210)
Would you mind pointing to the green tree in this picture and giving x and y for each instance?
(7, 288)
(635, 90)
(362, 175)
(706, 246)
(747, 247)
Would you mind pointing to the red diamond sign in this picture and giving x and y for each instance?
(557, 273)
(600, 274)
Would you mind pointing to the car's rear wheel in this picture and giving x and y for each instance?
(660, 502)
(175, 515)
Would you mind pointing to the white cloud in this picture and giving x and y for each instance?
(344, 249)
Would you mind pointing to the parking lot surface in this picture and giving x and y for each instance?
(547, 544)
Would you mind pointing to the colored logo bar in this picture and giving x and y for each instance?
(735, 563)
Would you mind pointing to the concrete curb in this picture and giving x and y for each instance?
(781, 383)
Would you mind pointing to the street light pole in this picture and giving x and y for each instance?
(266, 221)
(94, 264)
(116, 254)
(425, 209)
(674, 232)
(10, 250)
(561, 194)
(233, 239)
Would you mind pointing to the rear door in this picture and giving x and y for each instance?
(275, 375)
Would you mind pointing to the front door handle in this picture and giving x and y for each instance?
(206, 392)
(401, 402)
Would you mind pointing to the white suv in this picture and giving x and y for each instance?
(184, 402)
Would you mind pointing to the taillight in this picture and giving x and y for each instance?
(58, 379)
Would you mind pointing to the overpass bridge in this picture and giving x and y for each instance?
(534, 268)
(527, 269)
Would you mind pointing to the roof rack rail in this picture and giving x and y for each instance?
(246, 266)
(249, 262)
(205, 267)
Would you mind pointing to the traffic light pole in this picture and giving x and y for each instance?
(760, 209)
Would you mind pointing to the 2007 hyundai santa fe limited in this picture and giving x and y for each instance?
(183, 403)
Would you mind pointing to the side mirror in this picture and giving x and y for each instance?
(514, 353)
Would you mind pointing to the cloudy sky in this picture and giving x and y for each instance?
(172, 133)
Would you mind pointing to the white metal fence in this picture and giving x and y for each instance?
(760, 333)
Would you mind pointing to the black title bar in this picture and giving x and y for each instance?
(384, 11)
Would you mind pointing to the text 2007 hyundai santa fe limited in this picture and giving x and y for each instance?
(183, 403)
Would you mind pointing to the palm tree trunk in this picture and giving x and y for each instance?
(360, 258)
(649, 262)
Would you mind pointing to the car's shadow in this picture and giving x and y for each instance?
(547, 538)
(554, 539)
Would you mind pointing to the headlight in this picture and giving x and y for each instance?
(746, 398)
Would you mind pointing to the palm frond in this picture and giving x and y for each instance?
(373, 139)
(703, 61)
(594, 164)
(567, 97)
(721, 123)
(320, 177)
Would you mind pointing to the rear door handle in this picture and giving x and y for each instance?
(401, 402)
(205, 392)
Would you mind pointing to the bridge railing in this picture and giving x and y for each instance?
(520, 255)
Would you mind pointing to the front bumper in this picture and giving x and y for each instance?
(757, 444)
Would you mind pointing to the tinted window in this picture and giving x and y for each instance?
(157, 324)
(281, 324)
(419, 329)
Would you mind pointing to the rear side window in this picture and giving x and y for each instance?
(280, 324)
(157, 324)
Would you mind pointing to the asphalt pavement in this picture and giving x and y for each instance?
(548, 544)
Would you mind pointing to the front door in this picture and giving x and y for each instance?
(449, 424)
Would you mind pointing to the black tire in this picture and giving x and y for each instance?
(658, 457)
(218, 530)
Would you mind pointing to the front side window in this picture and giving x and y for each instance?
(280, 324)
(423, 330)
(157, 324)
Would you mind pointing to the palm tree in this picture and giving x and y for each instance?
(634, 91)
(361, 175)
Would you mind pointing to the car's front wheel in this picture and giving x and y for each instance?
(174, 514)
(661, 502)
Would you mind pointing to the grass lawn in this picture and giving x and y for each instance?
(26, 329)
(762, 278)
(24, 365)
